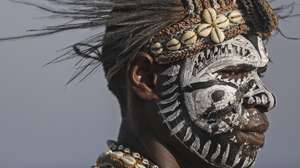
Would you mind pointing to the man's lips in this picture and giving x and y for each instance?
(253, 132)
(252, 138)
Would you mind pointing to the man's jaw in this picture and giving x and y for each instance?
(245, 137)
(252, 132)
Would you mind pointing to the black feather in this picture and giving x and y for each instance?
(129, 25)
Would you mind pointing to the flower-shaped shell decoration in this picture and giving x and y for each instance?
(214, 25)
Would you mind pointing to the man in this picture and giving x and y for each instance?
(186, 74)
(191, 94)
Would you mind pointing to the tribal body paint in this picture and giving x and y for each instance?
(214, 102)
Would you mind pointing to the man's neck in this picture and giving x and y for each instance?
(148, 146)
(140, 131)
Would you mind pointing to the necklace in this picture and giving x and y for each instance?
(119, 156)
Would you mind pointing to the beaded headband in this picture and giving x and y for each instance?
(210, 22)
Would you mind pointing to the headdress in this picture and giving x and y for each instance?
(168, 30)
(204, 23)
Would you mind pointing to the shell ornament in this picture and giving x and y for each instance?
(213, 26)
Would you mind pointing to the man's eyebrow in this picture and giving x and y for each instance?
(203, 85)
(239, 67)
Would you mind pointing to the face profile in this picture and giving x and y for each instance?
(186, 74)
(215, 102)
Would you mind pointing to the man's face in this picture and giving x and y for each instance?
(214, 102)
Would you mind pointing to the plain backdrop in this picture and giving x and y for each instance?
(44, 123)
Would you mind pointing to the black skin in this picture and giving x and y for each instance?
(142, 129)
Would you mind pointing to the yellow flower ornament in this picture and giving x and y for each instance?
(213, 25)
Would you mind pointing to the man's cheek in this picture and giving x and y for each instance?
(214, 98)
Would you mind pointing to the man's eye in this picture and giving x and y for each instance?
(230, 74)
(237, 72)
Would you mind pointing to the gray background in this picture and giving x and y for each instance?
(44, 123)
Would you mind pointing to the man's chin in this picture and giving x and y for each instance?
(225, 151)
(240, 156)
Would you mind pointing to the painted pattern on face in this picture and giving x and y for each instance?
(205, 100)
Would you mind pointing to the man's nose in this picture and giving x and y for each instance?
(259, 97)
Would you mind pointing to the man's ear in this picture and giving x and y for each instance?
(142, 76)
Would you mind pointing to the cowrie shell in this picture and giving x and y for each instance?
(128, 160)
(127, 150)
(146, 162)
(136, 155)
(222, 22)
(173, 45)
(139, 166)
(204, 30)
(121, 147)
(209, 15)
(117, 154)
(113, 146)
(189, 38)
(217, 35)
(235, 17)
(108, 152)
(157, 48)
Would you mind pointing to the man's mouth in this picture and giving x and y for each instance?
(251, 138)
(252, 133)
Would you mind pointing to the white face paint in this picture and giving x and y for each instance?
(205, 100)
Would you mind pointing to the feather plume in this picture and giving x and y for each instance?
(129, 25)
(130, 21)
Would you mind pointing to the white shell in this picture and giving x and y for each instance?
(117, 154)
(235, 17)
(145, 161)
(222, 22)
(217, 35)
(189, 38)
(209, 15)
(121, 147)
(173, 45)
(156, 48)
(128, 160)
(127, 150)
(204, 30)
(139, 166)
(136, 155)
